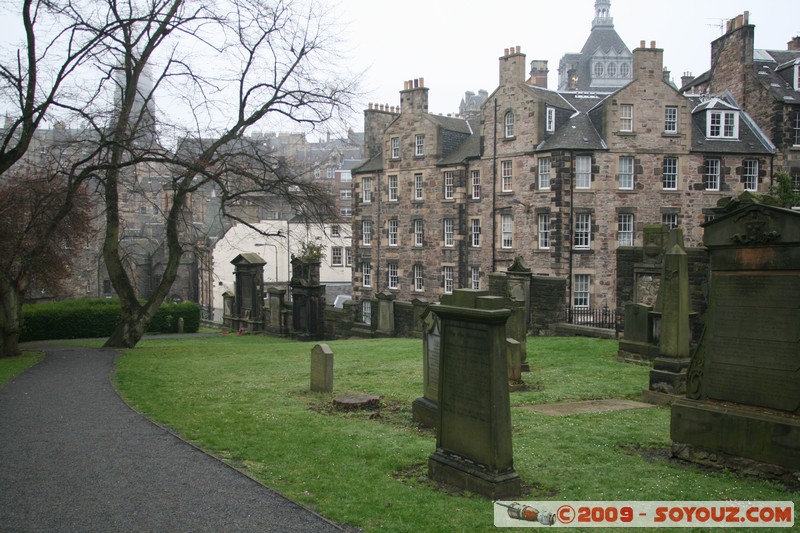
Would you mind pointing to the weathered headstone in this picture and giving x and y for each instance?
(473, 436)
(743, 384)
(385, 314)
(424, 410)
(669, 368)
(249, 302)
(308, 300)
(637, 341)
(321, 368)
(275, 304)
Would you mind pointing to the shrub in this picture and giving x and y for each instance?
(97, 317)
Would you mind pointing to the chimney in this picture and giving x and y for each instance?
(414, 97)
(648, 62)
(512, 66)
(794, 44)
(539, 73)
(686, 79)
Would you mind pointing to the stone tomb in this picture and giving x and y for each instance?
(743, 383)
(473, 436)
(424, 410)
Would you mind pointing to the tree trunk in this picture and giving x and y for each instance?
(129, 331)
(10, 318)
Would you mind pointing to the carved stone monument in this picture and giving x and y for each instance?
(425, 410)
(322, 368)
(473, 436)
(743, 384)
(308, 300)
(249, 300)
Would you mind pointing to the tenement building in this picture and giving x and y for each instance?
(561, 178)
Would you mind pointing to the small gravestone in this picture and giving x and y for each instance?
(424, 410)
(357, 402)
(321, 368)
(637, 341)
(742, 405)
(473, 434)
(385, 314)
(514, 361)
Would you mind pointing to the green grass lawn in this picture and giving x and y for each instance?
(246, 399)
(11, 366)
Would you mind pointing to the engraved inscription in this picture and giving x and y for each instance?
(468, 390)
(746, 385)
(757, 323)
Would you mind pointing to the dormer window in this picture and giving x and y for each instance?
(797, 77)
(509, 124)
(551, 119)
(723, 125)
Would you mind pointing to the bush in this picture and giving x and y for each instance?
(93, 318)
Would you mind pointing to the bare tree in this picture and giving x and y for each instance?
(242, 62)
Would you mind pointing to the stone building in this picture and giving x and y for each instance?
(765, 83)
(560, 178)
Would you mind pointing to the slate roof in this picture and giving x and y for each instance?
(578, 133)
(775, 70)
(751, 139)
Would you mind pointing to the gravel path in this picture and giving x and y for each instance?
(75, 457)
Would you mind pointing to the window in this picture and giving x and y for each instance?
(348, 257)
(506, 231)
(580, 292)
(506, 176)
(671, 119)
(447, 274)
(611, 70)
(366, 274)
(624, 229)
(475, 278)
(366, 189)
(366, 232)
(509, 124)
(544, 173)
(419, 232)
(712, 175)
(393, 232)
(335, 231)
(345, 176)
(583, 172)
(336, 256)
(583, 230)
(394, 279)
(331, 172)
(345, 194)
(448, 232)
(346, 212)
(544, 231)
(393, 195)
(626, 117)
(395, 147)
(670, 220)
(624, 70)
(449, 184)
(476, 184)
(708, 218)
(796, 128)
(723, 124)
(598, 70)
(475, 232)
(143, 210)
(750, 175)
(797, 77)
(419, 283)
(417, 186)
(550, 124)
(626, 173)
(419, 145)
(669, 180)
(366, 311)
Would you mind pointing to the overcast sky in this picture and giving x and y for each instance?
(455, 45)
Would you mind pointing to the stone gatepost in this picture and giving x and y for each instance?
(473, 436)
(385, 314)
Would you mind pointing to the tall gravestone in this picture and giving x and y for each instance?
(743, 384)
(385, 314)
(249, 300)
(473, 435)
(308, 300)
(425, 410)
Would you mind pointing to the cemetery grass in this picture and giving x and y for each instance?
(11, 366)
(246, 400)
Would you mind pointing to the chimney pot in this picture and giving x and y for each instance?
(518, 48)
(652, 44)
(422, 82)
(505, 51)
(641, 44)
(370, 105)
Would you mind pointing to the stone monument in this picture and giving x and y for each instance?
(322, 368)
(249, 300)
(308, 299)
(742, 405)
(473, 434)
(425, 410)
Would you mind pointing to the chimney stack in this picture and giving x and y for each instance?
(512, 66)
(794, 44)
(414, 97)
(539, 73)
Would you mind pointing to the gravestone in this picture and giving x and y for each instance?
(424, 410)
(321, 368)
(668, 374)
(385, 314)
(519, 287)
(473, 434)
(742, 405)
(308, 300)
(249, 301)
(637, 341)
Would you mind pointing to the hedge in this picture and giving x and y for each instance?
(98, 317)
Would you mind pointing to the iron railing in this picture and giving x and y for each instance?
(596, 317)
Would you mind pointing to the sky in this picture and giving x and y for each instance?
(455, 45)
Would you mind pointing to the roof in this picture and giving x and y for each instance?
(578, 133)
(775, 70)
(751, 139)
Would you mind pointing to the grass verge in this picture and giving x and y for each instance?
(246, 399)
(11, 366)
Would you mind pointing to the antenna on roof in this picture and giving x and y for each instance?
(720, 24)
